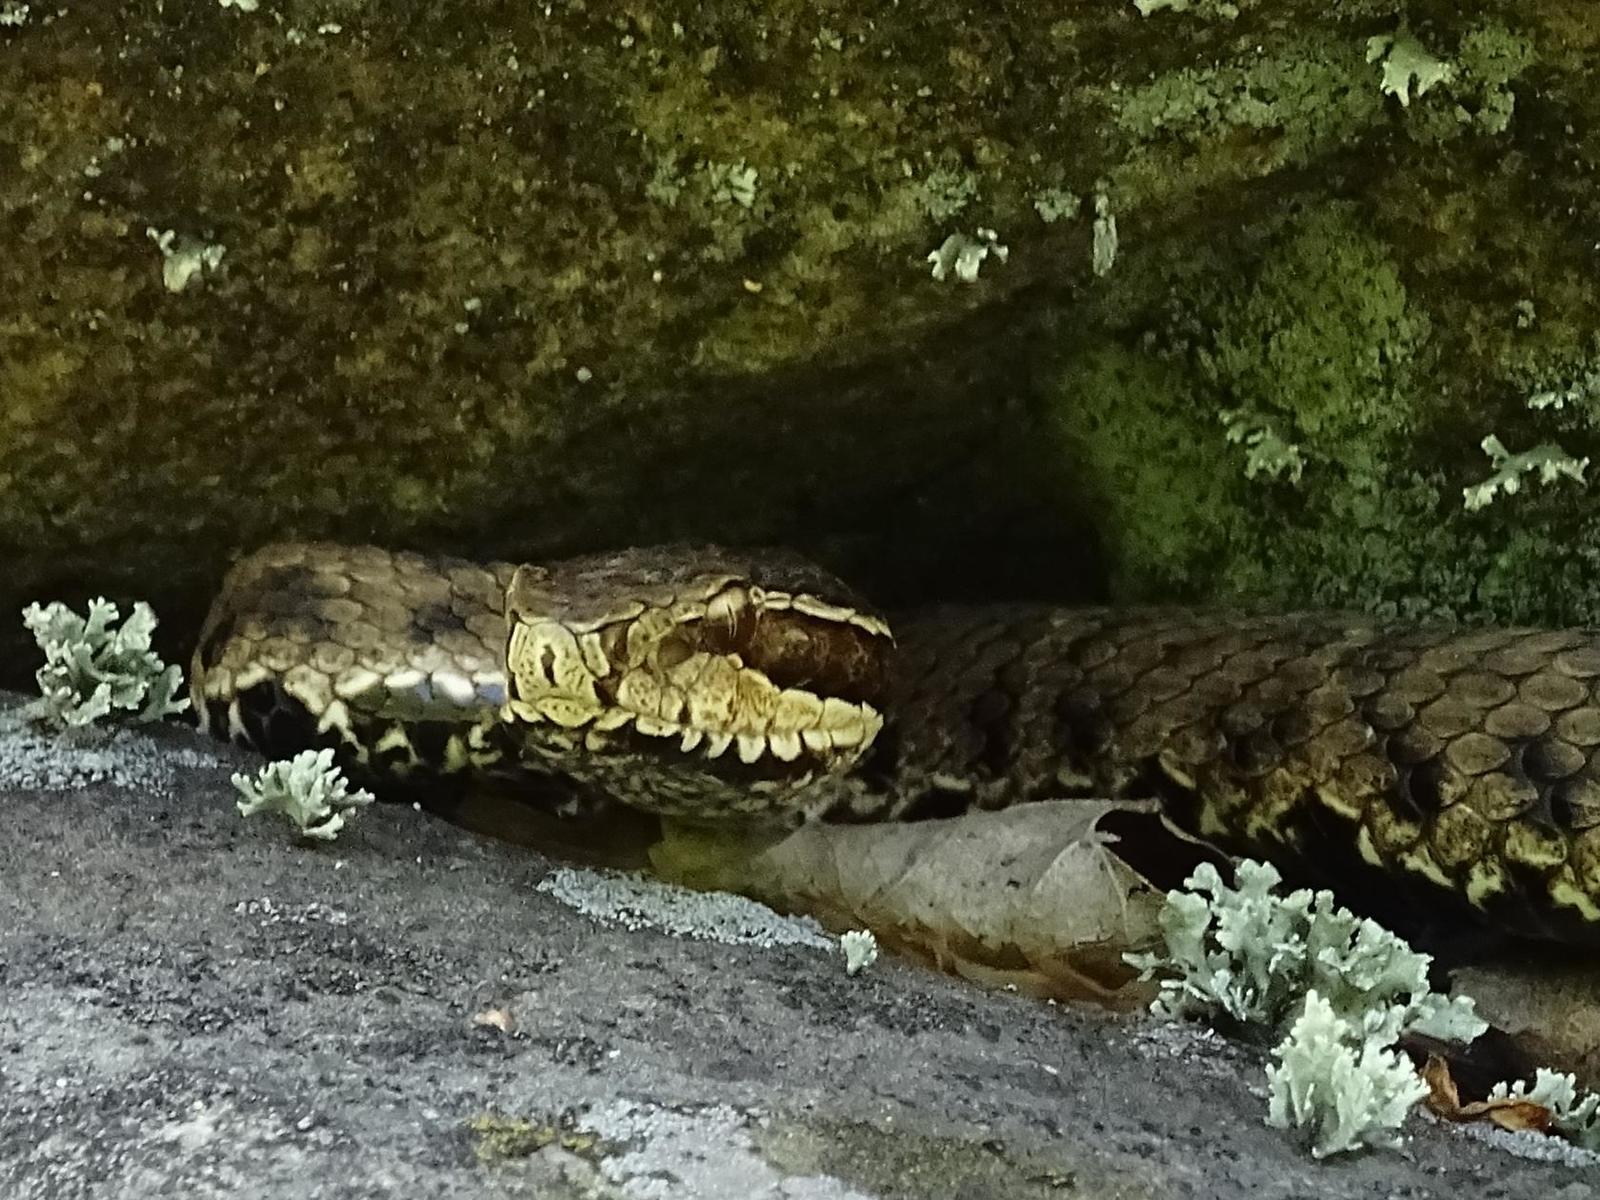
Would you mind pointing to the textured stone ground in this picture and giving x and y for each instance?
(193, 1005)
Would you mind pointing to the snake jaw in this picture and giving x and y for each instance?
(709, 674)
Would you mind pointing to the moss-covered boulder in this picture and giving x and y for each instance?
(1176, 298)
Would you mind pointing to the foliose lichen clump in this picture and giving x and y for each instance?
(1338, 990)
(95, 668)
(308, 789)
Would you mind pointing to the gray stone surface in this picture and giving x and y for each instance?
(194, 1005)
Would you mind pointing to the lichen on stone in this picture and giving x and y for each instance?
(1336, 990)
(1349, 1091)
(1408, 68)
(94, 668)
(1247, 953)
(308, 790)
(1575, 1114)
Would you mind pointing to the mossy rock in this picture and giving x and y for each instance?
(499, 280)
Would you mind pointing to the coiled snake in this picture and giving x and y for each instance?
(1458, 764)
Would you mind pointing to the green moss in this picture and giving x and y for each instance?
(1317, 344)
(1309, 328)
(497, 1138)
(1478, 94)
(1186, 125)
(1311, 325)
(433, 228)
(1325, 339)
(1151, 469)
(1321, 341)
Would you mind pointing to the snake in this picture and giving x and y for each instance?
(1453, 767)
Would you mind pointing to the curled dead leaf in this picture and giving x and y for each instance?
(1032, 897)
(1508, 1112)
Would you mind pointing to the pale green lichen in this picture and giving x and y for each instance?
(860, 950)
(1340, 990)
(1303, 92)
(1408, 68)
(959, 256)
(1308, 95)
(945, 192)
(307, 789)
(92, 670)
(1054, 204)
(1581, 394)
(637, 902)
(1547, 462)
(665, 184)
(1214, 9)
(1103, 253)
(1575, 1115)
(1348, 1090)
(732, 183)
(1266, 452)
(184, 259)
(1249, 954)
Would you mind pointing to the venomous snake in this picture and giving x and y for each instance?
(1458, 765)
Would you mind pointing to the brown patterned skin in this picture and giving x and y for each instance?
(1460, 762)
(394, 660)
(1457, 763)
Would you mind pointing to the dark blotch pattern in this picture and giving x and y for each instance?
(1460, 760)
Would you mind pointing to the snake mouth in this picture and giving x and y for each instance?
(710, 668)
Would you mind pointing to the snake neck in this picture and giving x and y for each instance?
(1440, 765)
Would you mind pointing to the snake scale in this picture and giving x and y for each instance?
(1458, 764)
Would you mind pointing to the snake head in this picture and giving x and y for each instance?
(694, 680)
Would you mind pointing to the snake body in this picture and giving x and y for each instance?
(1457, 763)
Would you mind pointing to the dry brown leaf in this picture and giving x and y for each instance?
(1508, 1112)
(1030, 897)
